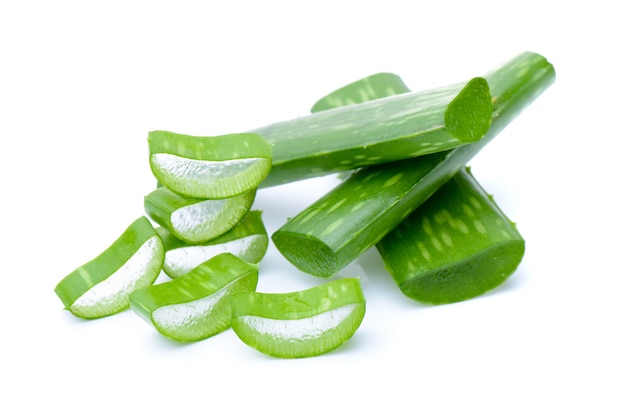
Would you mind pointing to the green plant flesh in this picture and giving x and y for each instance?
(378, 131)
(209, 167)
(196, 220)
(299, 324)
(196, 305)
(370, 88)
(247, 240)
(354, 216)
(455, 246)
(101, 286)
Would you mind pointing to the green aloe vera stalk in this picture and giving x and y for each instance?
(299, 324)
(369, 88)
(247, 240)
(456, 246)
(101, 286)
(209, 167)
(377, 131)
(196, 306)
(195, 220)
(354, 216)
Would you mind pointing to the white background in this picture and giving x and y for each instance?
(82, 83)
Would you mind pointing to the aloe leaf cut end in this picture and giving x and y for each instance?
(456, 246)
(468, 116)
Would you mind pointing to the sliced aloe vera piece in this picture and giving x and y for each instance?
(196, 306)
(457, 245)
(299, 324)
(101, 286)
(209, 167)
(378, 131)
(354, 216)
(195, 220)
(369, 88)
(247, 240)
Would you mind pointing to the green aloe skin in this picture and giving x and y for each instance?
(196, 305)
(299, 324)
(373, 87)
(247, 240)
(209, 167)
(456, 246)
(101, 286)
(378, 131)
(195, 220)
(358, 213)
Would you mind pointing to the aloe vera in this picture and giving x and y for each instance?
(101, 286)
(378, 131)
(196, 305)
(372, 87)
(247, 240)
(299, 324)
(456, 246)
(336, 229)
(209, 167)
(195, 220)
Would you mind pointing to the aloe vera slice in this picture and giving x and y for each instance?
(378, 131)
(196, 305)
(299, 324)
(354, 216)
(456, 246)
(247, 240)
(369, 88)
(195, 220)
(209, 167)
(101, 286)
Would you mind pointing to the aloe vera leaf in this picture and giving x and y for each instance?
(354, 216)
(209, 167)
(369, 88)
(101, 286)
(195, 220)
(455, 246)
(196, 306)
(382, 130)
(247, 240)
(299, 324)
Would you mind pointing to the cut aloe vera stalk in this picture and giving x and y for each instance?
(369, 88)
(194, 220)
(101, 286)
(456, 246)
(354, 216)
(196, 306)
(247, 240)
(378, 131)
(209, 167)
(299, 324)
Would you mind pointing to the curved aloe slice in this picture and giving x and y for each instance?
(196, 220)
(369, 88)
(455, 246)
(299, 324)
(209, 167)
(341, 225)
(248, 240)
(196, 306)
(101, 287)
(378, 131)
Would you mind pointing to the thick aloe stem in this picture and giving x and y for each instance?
(456, 246)
(378, 131)
(354, 216)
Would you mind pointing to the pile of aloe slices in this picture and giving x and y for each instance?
(406, 190)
